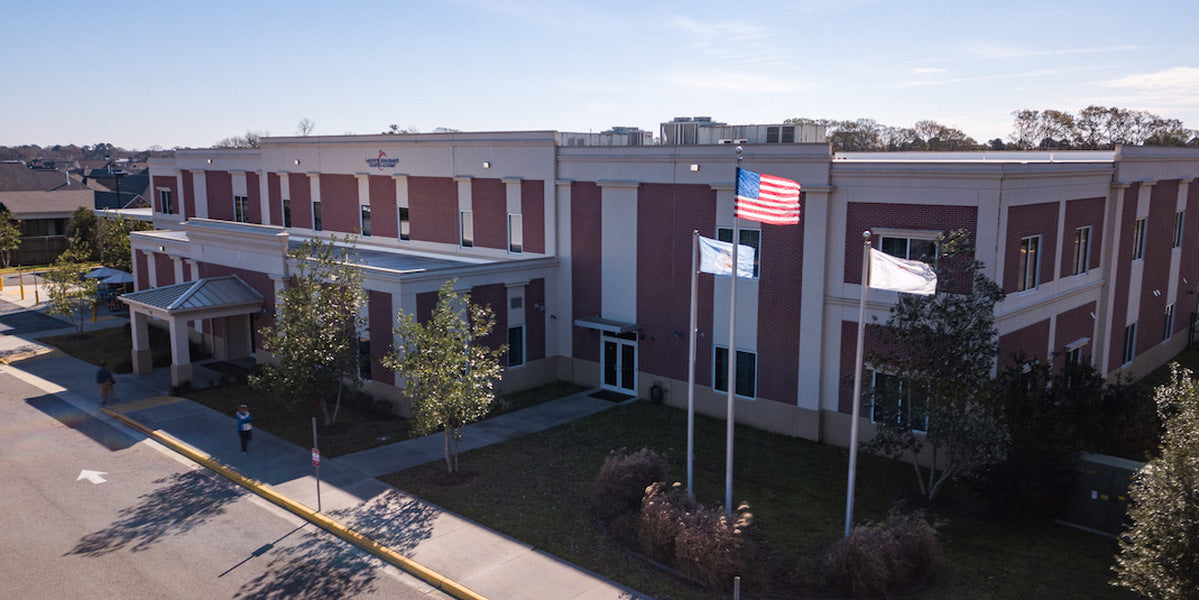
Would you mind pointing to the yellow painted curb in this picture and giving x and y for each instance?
(422, 572)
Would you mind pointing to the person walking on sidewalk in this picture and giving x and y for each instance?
(243, 426)
(105, 380)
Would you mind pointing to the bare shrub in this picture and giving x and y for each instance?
(663, 511)
(711, 548)
(622, 481)
(883, 558)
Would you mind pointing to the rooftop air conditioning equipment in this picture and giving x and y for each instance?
(724, 141)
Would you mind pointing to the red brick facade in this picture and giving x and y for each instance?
(301, 200)
(532, 210)
(1023, 222)
(379, 322)
(586, 264)
(489, 205)
(1032, 340)
(339, 203)
(433, 209)
(780, 288)
(384, 220)
(165, 182)
(219, 187)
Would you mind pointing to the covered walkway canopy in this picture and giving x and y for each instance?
(227, 298)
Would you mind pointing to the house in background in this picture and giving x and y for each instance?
(118, 186)
(41, 200)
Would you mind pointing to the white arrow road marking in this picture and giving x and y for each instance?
(92, 476)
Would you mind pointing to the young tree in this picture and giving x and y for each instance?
(1159, 551)
(71, 294)
(314, 340)
(449, 376)
(81, 229)
(114, 236)
(10, 237)
(936, 356)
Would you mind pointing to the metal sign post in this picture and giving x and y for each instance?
(316, 464)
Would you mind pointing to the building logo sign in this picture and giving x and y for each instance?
(380, 162)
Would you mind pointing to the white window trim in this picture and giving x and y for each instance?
(522, 233)
(1022, 265)
(1139, 230)
(524, 346)
(1083, 263)
(461, 233)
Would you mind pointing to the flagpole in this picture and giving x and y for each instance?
(731, 354)
(857, 384)
(691, 331)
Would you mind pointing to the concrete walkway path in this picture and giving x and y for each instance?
(461, 557)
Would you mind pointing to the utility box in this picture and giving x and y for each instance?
(1099, 493)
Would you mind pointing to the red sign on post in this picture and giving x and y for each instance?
(316, 457)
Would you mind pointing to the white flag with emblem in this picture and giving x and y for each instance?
(901, 275)
(716, 257)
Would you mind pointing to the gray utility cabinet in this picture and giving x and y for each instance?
(1099, 493)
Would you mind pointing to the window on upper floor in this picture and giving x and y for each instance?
(1082, 250)
(241, 209)
(364, 358)
(894, 401)
(317, 222)
(516, 235)
(911, 248)
(1138, 239)
(166, 202)
(1178, 220)
(286, 212)
(745, 371)
(364, 220)
(466, 229)
(402, 219)
(1029, 263)
(749, 237)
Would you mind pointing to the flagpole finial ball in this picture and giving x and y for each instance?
(739, 149)
(866, 234)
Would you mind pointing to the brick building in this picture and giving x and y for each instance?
(581, 246)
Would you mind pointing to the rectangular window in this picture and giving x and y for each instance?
(1138, 240)
(1082, 250)
(1029, 263)
(924, 250)
(895, 402)
(749, 237)
(746, 372)
(365, 219)
(1130, 343)
(1178, 219)
(241, 209)
(516, 346)
(1169, 323)
(316, 217)
(402, 218)
(516, 235)
(166, 202)
(364, 358)
(466, 230)
(1074, 356)
(286, 212)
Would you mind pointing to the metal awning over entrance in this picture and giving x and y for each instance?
(608, 325)
(228, 298)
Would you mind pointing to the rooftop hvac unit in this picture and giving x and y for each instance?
(726, 141)
(741, 141)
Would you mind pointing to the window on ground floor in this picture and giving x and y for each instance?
(745, 371)
(1130, 343)
(895, 402)
(516, 346)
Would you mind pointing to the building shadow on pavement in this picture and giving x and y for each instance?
(98, 431)
(178, 503)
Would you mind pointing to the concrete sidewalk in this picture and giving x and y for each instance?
(472, 561)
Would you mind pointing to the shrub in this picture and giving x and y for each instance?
(712, 549)
(883, 558)
(622, 481)
(700, 541)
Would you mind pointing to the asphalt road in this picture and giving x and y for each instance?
(86, 511)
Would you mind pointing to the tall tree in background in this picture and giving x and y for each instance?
(10, 237)
(1159, 551)
(251, 139)
(449, 376)
(71, 294)
(934, 387)
(314, 341)
(305, 126)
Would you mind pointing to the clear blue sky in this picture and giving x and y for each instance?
(167, 73)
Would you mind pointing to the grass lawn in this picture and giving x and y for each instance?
(357, 427)
(115, 345)
(796, 490)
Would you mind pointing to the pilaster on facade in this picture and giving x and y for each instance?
(264, 196)
(200, 192)
(401, 183)
(1109, 259)
(562, 292)
(618, 247)
(465, 193)
(817, 245)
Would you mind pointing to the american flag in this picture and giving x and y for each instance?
(766, 198)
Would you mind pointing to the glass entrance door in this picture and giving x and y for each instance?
(619, 364)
